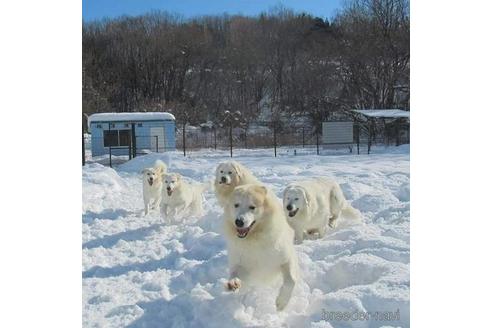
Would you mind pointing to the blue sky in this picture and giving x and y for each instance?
(96, 9)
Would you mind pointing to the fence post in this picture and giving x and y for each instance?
(386, 134)
(184, 138)
(215, 138)
(303, 143)
(275, 138)
(317, 141)
(230, 137)
(130, 150)
(357, 131)
(83, 146)
(134, 142)
(369, 143)
(156, 144)
(397, 126)
(110, 163)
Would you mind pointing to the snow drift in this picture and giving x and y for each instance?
(140, 272)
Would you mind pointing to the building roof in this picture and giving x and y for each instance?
(383, 113)
(129, 117)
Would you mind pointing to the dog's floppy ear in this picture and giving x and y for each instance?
(218, 168)
(237, 167)
(307, 197)
(285, 192)
(262, 190)
(267, 204)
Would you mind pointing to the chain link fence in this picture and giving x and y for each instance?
(121, 150)
(279, 137)
(255, 135)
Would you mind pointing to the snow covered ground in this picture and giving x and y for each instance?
(140, 272)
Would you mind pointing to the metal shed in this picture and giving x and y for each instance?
(382, 125)
(131, 133)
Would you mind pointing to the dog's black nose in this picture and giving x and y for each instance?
(239, 223)
(223, 179)
(168, 188)
(289, 207)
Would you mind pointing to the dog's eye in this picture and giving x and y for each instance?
(252, 208)
(229, 172)
(236, 205)
(296, 198)
(221, 171)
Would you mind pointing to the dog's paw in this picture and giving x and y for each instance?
(233, 284)
(281, 303)
(312, 234)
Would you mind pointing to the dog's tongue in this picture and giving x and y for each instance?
(242, 231)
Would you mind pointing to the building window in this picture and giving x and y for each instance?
(112, 125)
(110, 138)
(116, 138)
(139, 125)
(127, 125)
(98, 126)
(124, 137)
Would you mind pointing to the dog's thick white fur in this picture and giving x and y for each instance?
(260, 243)
(181, 197)
(152, 185)
(228, 176)
(311, 206)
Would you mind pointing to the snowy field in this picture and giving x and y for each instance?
(140, 272)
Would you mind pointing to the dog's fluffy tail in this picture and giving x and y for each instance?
(160, 166)
(339, 203)
(351, 213)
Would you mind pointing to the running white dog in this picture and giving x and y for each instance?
(313, 205)
(259, 242)
(229, 175)
(180, 197)
(152, 185)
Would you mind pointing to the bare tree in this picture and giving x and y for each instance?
(275, 66)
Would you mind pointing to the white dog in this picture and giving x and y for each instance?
(178, 196)
(312, 205)
(259, 242)
(152, 185)
(229, 175)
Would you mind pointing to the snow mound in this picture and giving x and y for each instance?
(138, 163)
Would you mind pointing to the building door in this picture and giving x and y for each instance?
(157, 142)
